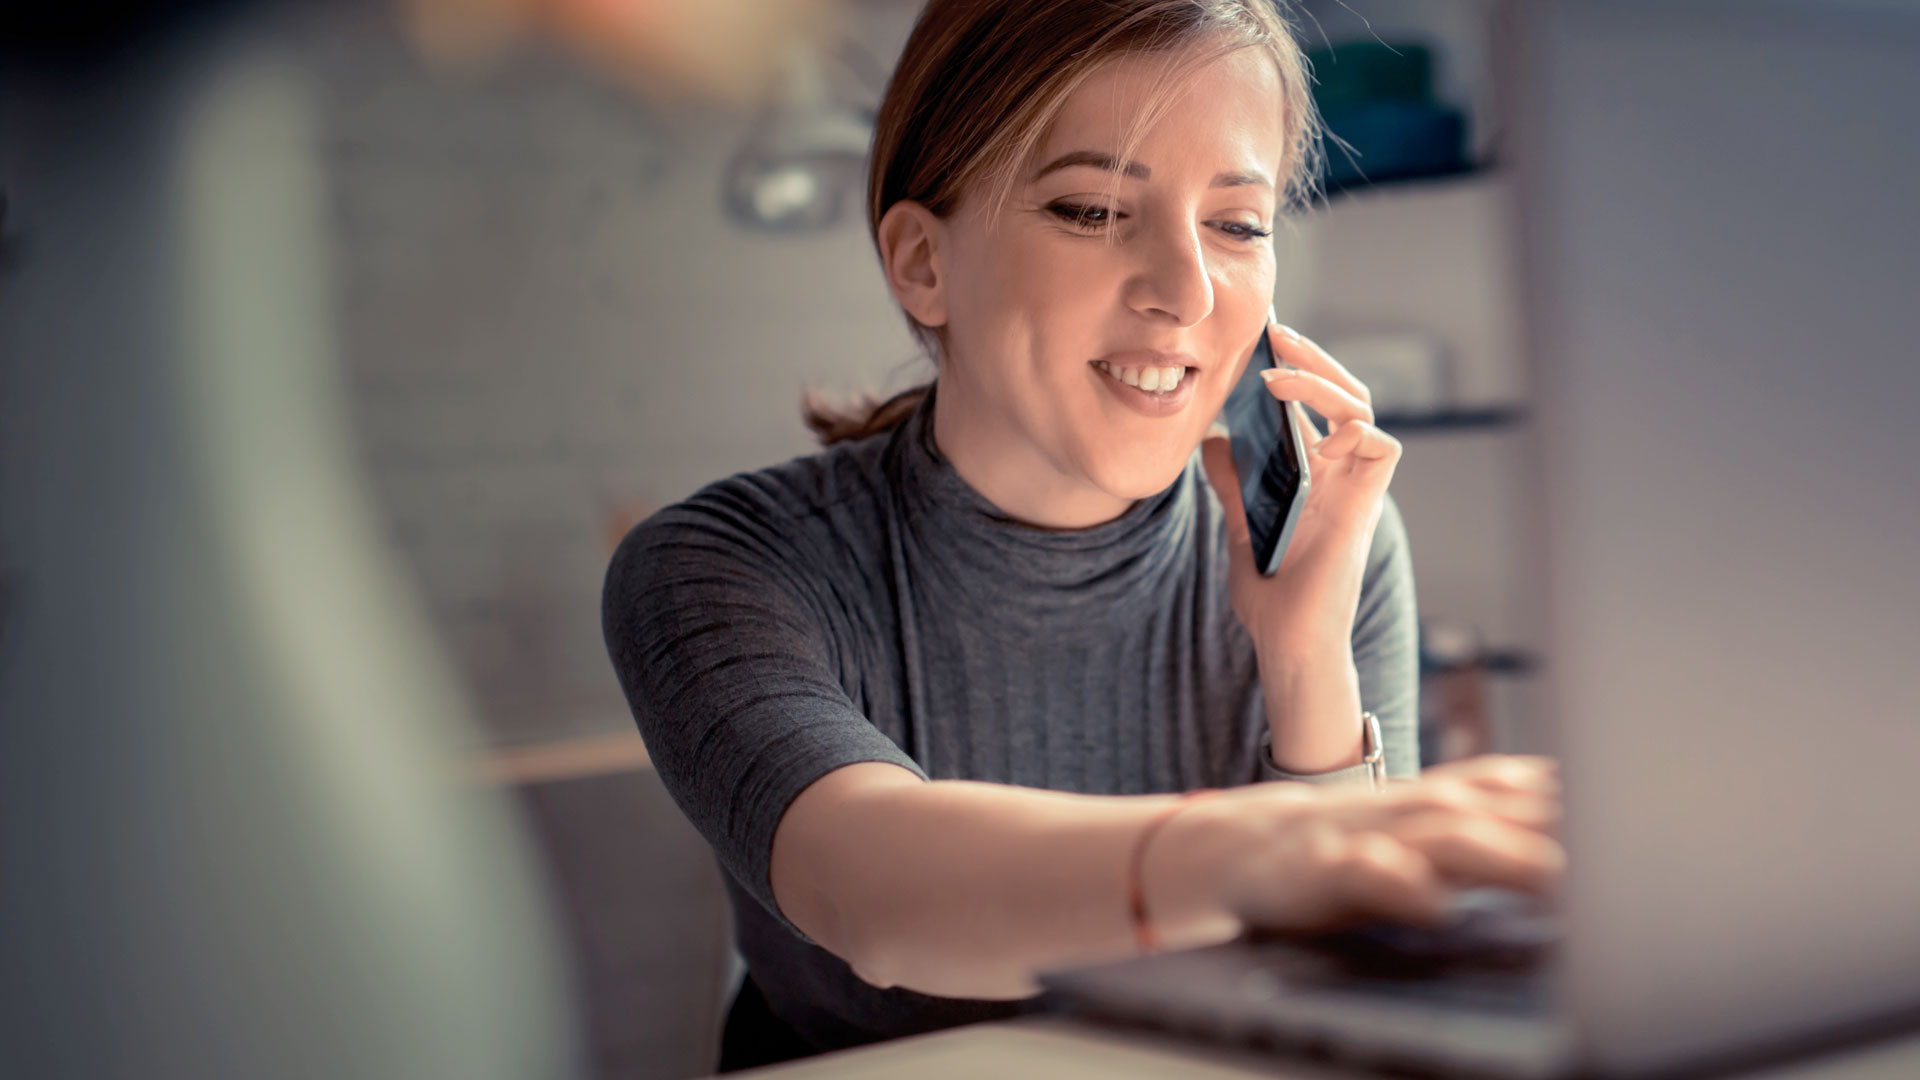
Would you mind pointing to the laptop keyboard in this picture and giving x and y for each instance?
(1491, 954)
(1474, 995)
(1488, 928)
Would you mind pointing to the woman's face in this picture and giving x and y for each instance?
(1049, 327)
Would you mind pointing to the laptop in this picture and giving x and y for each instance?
(1722, 288)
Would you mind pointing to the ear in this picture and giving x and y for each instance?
(913, 248)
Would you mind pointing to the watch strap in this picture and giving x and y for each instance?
(1372, 769)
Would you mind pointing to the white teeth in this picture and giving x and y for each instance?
(1150, 379)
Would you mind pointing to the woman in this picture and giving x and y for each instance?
(926, 692)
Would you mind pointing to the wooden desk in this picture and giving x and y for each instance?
(1042, 1046)
(1057, 1048)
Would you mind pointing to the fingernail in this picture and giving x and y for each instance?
(1274, 374)
(1219, 431)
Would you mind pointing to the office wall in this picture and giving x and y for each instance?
(547, 322)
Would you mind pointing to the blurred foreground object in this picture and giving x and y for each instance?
(236, 840)
(727, 50)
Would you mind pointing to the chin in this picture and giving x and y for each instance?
(1140, 474)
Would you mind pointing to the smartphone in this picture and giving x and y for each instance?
(1270, 456)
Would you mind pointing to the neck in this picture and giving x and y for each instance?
(1010, 472)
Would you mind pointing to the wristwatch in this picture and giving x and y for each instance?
(1374, 755)
(1372, 766)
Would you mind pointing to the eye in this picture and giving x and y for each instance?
(1082, 216)
(1094, 218)
(1240, 230)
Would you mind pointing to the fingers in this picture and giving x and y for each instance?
(1328, 398)
(1360, 440)
(1512, 772)
(1318, 874)
(1485, 851)
(1481, 792)
(1384, 878)
(1334, 859)
(1541, 813)
(1291, 347)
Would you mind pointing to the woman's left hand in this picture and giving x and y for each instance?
(1301, 618)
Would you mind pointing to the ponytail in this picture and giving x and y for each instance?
(864, 417)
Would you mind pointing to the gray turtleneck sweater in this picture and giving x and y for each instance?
(864, 604)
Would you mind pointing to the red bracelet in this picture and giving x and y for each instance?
(1136, 889)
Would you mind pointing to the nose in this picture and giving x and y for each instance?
(1172, 283)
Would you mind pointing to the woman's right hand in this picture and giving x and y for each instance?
(1301, 618)
(1306, 608)
(1296, 857)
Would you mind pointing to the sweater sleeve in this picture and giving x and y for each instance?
(1386, 653)
(729, 669)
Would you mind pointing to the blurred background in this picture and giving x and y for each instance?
(561, 304)
(397, 315)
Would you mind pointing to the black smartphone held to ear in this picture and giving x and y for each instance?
(1270, 456)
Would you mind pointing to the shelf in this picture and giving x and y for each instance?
(569, 759)
(1472, 419)
(1510, 662)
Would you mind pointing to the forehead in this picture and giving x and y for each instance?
(1227, 109)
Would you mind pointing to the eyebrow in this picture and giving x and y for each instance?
(1097, 160)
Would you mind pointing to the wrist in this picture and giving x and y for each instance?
(1313, 711)
(1294, 662)
(1183, 872)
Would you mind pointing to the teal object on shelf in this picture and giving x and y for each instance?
(1377, 98)
(1395, 141)
(1356, 74)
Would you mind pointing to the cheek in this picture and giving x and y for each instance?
(992, 280)
(1244, 283)
(1050, 277)
(1243, 293)
(1033, 303)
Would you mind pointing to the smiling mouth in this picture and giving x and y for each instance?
(1151, 380)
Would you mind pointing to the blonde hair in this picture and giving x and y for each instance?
(980, 80)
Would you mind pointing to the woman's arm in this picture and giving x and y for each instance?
(1386, 643)
(1378, 672)
(968, 889)
(965, 889)
(1303, 618)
